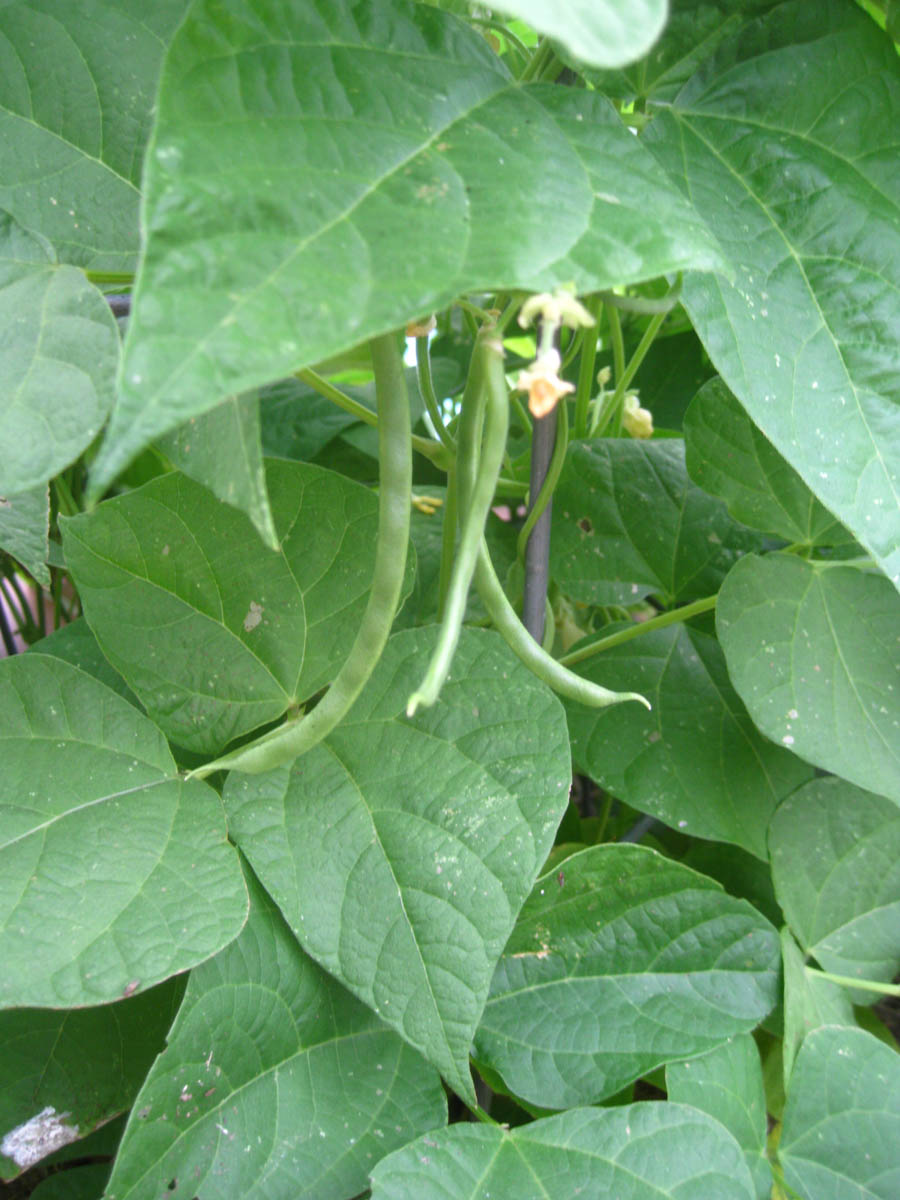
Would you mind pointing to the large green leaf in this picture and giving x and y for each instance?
(621, 960)
(24, 518)
(813, 651)
(222, 449)
(84, 1064)
(58, 359)
(275, 1081)
(727, 455)
(842, 1120)
(426, 171)
(696, 761)
(400, 851)
(809, 1003)
(787, 143)
(114, 873)
(77, 82)
(835, 853)
(638, 1152)
(214, 632)
(604, 33)
(627, 521)
(727, 1083)
(693, 31)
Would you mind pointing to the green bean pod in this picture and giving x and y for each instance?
(517, 637)
(478, 468)
(293, 738)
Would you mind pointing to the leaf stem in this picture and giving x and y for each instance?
(866, 985)
(430, 449)
(554, 469)
(426, 388)
(638, 629)
(585, 385)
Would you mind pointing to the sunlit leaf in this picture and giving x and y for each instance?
(603, 33)
(787, 142)
(399, 123)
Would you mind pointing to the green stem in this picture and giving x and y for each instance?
(586, 369)
(433, 451)
(603, 819)
(426, 388)
(639, 629)
(866, 985)
(520, 641)
(640, 353)
(104, 277)
(521, 411)
(448, 543)
(395, 470)
(65, 501)
(548, 487)
(478, 468)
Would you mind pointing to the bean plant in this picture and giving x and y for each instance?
(449, 562)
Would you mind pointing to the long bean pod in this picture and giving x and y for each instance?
(285, 743)
(517, 637)
(478, 469)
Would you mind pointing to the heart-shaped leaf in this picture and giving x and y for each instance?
(58, 359)
(638, 1152)
(400, 851)
(696, 761)
(24, 518)
(275, 1080)
(397, 127)
(812, 649)
(621, 960)
(767, 140)
(119, 871)
(627, 521)
(84, 1064)
(842, 1120)
(727, 455)
(835, 853)
(727, 1083)
(176, 584)
(71, 150)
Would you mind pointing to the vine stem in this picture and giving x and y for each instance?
(638, 629)
(295, 737)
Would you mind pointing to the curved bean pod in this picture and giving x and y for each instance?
(285, 743)
(517, 637)
(478, 469)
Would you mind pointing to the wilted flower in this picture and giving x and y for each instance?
(542, 383)
(638, 421)
(558, 308)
